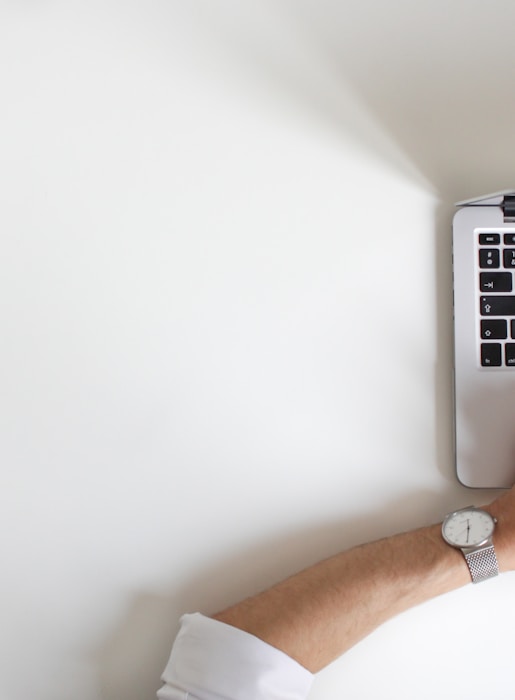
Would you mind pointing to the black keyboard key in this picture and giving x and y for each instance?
(489, 258)
(509, 354)
(508, 257)
(494, 329)
(491, 355)
(495, 281)
(497, 306)
(509, 239)
(512, 324)
(490, 238)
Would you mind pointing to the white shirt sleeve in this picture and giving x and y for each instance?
(214, 661)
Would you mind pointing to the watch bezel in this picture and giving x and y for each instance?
(474, 545)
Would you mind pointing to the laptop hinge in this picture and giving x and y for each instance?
(505, 200)
(508, 207)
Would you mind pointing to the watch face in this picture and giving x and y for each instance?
(468, 527)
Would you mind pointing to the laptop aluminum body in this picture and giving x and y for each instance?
(484, 340)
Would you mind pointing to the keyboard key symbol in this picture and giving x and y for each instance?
(510, 354)
(496, 281)
(498, 305)
(489, 258)
(494, 328)
(491, 355)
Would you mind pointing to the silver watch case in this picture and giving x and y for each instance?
(477, 545)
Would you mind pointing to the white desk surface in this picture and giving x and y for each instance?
(225, 298)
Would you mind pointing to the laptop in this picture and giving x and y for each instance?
(484, 340)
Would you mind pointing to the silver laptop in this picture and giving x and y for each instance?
(484, 340)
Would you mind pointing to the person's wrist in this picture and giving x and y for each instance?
(501, 537)
(451, 559)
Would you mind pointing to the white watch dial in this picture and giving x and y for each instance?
(468, 528)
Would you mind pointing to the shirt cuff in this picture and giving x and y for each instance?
(211, 660)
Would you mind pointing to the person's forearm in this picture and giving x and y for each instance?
(318, 614)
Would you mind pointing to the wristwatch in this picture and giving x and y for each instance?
(471, 529)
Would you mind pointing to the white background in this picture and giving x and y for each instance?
(225, 305)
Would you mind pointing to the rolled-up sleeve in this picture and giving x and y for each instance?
(214, 661)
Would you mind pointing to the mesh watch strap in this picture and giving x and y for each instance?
(482, 564)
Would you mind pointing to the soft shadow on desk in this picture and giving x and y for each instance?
(416, 67)
(404, 80)
(131, 660)
(287, 61)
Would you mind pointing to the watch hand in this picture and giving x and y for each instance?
(461, 532)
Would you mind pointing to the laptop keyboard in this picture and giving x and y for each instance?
(496, 263)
